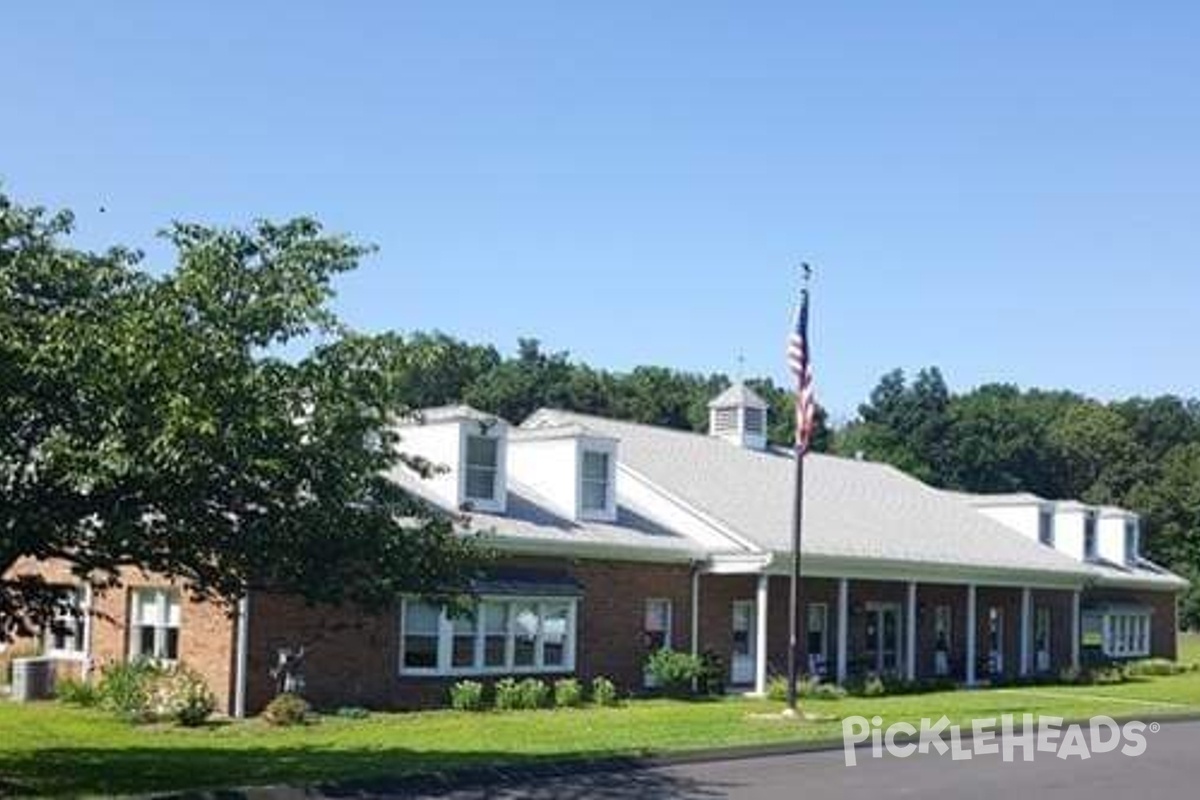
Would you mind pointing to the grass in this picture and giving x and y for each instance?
(54, 749)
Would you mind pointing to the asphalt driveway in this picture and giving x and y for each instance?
(1169, 768)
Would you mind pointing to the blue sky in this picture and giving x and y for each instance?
(1010, 191)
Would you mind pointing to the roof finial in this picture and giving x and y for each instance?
(805, 271)
(741, 369)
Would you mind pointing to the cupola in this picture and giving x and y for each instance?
(738, 415)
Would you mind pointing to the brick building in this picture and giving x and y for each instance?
(618, 538)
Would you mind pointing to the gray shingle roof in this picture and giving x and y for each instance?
(853, 509)
(738, 395)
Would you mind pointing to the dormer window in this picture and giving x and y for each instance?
(595, 482)
(483, 461)
(1131, 541)
(1046, 527)
(1090, 544)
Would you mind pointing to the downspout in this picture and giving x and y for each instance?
(241, 656)
(695, 618)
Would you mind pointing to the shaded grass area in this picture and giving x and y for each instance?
(54, 749)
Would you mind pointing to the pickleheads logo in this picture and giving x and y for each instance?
(990, 736)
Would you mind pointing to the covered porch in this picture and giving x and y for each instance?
(933, 626)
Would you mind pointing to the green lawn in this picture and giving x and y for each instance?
(54, 749)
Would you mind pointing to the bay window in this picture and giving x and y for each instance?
(1125, 633)
(501, 636)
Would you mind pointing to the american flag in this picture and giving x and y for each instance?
(801, 367)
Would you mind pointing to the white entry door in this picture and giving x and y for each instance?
(741, 662)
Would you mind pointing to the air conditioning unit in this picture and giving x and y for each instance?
(32, 679)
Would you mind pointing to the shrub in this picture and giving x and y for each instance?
(79, 693)
(182, 695)
(508, 695)
(827, 691)
(712, 673)
(568, 693)
(1157, 666)
(352, 712)
(287, 709)
(873, 686)
(467, 696)
(533, 693)
(604, 691)
(675, 672)
(125, 688)
(777, 688)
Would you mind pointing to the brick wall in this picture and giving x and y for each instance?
(206, 635)
(354, 659)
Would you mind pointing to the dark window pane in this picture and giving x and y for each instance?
(493, 650)
(145, 639)
(481, 483)
(170, 644)
(420, 652)
(463, 654)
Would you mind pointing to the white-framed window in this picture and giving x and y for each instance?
(483, 463)
(66, 635)
(154, 632)
(1046, 527)
(656, 624)
(1126, 634)
(594, 481)
(501, 635)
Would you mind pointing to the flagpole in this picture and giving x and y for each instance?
(797, 529)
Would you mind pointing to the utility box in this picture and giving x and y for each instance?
(32, 679)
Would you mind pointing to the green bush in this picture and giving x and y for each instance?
(508, 694)
(467, 696)
(827, 691)
(352, 712)
(125, 688)
(181, 694)
(533, 693)
(287, 709)
(712, 673)
(675, 673)
(75, 692)
(1157, 667)
(873, 686)
(568, 693)
(604, 691)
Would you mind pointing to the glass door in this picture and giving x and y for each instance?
(741, 663)
(883, 638)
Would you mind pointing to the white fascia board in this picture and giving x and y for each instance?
(737, 540)
(823, 566)
(737, 564)
(522, 545)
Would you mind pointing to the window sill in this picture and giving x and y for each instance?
(65, 655)
(489, 672)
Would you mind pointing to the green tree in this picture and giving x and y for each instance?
(145, 423)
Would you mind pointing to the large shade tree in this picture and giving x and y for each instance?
(147, 420)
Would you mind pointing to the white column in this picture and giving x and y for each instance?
(972, 630)
(910, 644)
(1025, 632)
(760, 638)
(1075, 629)
(695, 612)
(843, 626)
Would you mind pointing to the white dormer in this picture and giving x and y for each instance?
(572, 470)
(1118, 536)
(738, 415)
(470, 448)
